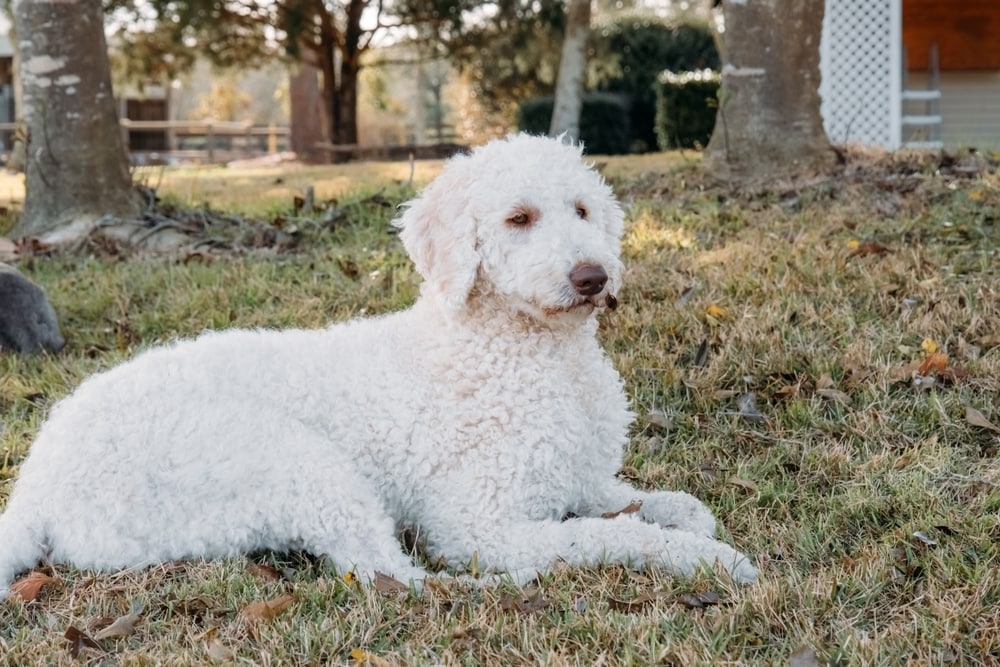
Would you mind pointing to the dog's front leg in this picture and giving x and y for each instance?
(668, 509)
(523, 547)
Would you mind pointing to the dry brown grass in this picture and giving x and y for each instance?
(870, 503)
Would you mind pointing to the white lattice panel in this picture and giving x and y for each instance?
(861, 70)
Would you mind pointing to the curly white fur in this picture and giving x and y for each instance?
(484, 415)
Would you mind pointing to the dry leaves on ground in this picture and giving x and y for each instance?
(385, 584)
(28, 588)
(529, 601)
(977, 418)
(266, 610)
(122, 626)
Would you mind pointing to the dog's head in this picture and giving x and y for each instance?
(523, 219)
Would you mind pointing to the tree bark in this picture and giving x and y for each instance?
(769, 120)
(76, 168)
(307, 112)
(572, 67)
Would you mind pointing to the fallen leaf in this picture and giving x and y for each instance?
(216, 650)
(196, 607)
(631, 606)
(660, 420)
(263, 571)
(925, 539)
(834, 395)
(122, 626)
(363, 657)
(530, 601)
(825, 382)
(989, 341)
(699, 600)
(387, 585)
(265, 611)
(631, 508)
(929, 346)
(977, 418)
(708, 598)
(28, 587)
(715, 313)
(350, 577)
(868, 248)
(701, 356)
(953, 374)
(78, 641)
(935, 362)
(789, 390)
(905, 372)
(685, 296)
(744, 484)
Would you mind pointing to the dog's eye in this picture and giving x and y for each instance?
(582, 212)
(522, 217)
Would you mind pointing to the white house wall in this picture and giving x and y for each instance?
(861, 71)
(970, 107)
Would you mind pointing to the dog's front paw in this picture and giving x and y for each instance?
(678, 510)
(742, 570)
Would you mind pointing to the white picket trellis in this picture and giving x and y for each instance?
(861, 68)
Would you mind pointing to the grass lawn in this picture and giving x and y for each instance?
(818, 360)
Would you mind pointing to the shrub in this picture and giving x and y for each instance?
(604, 121)
(686, 106)
(629, 56)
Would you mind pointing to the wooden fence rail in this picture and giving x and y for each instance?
(193, 139)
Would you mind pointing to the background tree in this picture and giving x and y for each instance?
(506, 58)
(332, 36)
(630, 53)
(769, 118)
(572, 69)
(76, 168)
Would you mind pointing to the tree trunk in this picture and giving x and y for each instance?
(76, 168)
(307, 112)
(347, 104)
(769, 120)
(572, 67)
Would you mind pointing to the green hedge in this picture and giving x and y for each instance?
(629, 55)
(686, 105)
(604, 121)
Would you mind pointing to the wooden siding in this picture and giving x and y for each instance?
(967, 33)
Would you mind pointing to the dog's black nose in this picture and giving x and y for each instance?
(588, 279)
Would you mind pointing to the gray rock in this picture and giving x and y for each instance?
(27, 322)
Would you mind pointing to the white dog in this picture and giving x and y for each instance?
(485, 415)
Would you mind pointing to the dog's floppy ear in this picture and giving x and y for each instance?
(438, 231)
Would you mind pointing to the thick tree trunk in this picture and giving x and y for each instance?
(572, 67)
(769, 120)
(76, 169)
(347, 105)
(307, 111)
